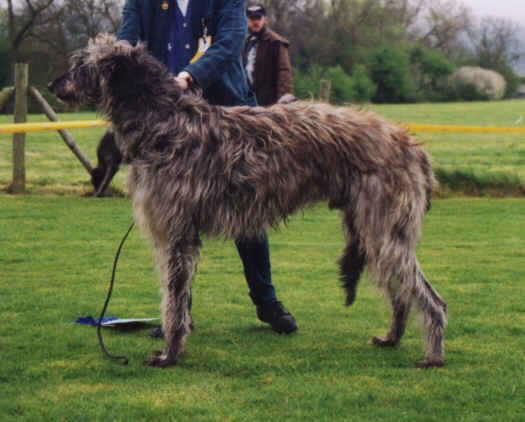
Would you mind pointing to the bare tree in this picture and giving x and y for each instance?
(399, 18)
(73, 22)
(21, 21)
(446, 22)
(495, 42)
(301, 22)
(46, 31)
(283, 14)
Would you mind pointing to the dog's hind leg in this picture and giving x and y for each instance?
(434, 311)
(400, 312)
(352, 262)
(177, 267)
(414, 287)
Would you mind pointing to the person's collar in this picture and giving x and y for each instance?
(259, 34)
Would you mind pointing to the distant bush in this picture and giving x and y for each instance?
(364, 87)
(306, 84)
(430, 71)
(512, 80)
(342, 85)
(474, 83)
(390, 71)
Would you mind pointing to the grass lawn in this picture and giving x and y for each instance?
(480, 153)
(52, 168)
(55, 262)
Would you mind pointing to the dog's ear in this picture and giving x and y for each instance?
(126, 77)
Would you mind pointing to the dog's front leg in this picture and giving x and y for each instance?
(177, 267)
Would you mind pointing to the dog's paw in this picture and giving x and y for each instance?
(383, 341)
(425, 364)
(159, 360)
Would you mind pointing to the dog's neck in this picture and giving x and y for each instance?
(144, 128)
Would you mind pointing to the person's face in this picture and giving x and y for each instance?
(257, 23)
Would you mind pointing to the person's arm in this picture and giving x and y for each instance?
(226, 46)
(284, 72)
(130, 27)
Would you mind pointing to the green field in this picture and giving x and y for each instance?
(487, 156)
(55, 262)
(57, 249)
(52, 168)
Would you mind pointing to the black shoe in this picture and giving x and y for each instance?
(156, 332)
(275, 314)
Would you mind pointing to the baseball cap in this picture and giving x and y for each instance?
(255, 11)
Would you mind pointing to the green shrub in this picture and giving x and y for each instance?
(464, 91)
(475, 84)
(430, 70)
(364, 87)
(390, 71)
(342, 85)
(512, 80)
(306, 84)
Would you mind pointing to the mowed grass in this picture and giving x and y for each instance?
(52, 168)
(56, 252)
(481, 154)
(55, 261)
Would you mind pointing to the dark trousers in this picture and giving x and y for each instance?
(255, 257)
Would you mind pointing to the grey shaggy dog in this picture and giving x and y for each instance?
(233, 172)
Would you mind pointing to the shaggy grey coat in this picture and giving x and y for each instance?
(233, 172)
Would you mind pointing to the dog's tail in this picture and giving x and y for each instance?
(353, 260)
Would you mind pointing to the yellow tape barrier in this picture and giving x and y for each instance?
(36, 127)
(414, 127)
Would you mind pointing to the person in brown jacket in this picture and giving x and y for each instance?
(266, 59)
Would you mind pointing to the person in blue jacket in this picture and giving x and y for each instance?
(174, 31)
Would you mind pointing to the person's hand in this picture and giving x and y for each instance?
(184, 79)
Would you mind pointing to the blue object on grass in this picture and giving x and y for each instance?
(94, 321)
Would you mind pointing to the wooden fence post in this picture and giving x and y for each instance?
(66, 136)
(19, 139)
(324, 92)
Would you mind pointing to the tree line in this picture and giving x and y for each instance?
(371, 50)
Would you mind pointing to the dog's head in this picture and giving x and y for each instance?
(109, 71)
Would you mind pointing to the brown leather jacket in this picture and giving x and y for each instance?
(272, 75)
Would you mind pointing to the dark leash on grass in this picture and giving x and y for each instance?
(111, 283)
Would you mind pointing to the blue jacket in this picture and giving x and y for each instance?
(219, 72)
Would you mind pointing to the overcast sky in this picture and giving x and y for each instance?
(510, 9)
